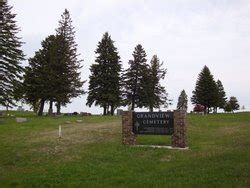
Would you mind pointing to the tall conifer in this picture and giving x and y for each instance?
(182, 101)
(221, 96)
(105, 78)
(70, 85)
(205, 92)
(153, 94)
(11, 56)
(133, 78)
(41, 78)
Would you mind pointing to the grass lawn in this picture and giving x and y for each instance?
(90, 154)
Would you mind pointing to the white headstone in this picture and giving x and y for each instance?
(21, 120)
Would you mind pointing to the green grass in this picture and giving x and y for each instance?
(90, 154)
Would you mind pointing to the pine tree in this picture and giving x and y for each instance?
(11, 56)
(70, 85)
(105, 79)
(221, 96)
(205, 92)
(152, 93)
(234, 103)
(182, 101)
(133, 77)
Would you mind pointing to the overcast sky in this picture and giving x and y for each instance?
(185, 34)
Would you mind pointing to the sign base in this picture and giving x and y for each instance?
(164, 147)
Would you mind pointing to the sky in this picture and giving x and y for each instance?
(185, 35)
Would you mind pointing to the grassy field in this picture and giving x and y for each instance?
(90, 154)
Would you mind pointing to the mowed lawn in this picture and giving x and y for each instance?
(90, 154)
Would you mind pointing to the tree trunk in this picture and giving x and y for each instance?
(112, 110)
(40, 112)
(7, 107)
(151, 109)
(58, 108)
(35, 106)
(133, 103)
(205, 110)
(107, 109)
(104, 110)
(50, 112)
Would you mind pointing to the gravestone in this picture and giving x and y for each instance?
(20, 108)
(20, 119)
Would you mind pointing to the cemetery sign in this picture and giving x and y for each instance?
(153, 123)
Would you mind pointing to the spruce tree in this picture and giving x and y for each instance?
(41, 76)
(70, 82)
(34, 82)
(133, 78)
(105, 78)
(152, 93)
(182, 101)
(205, 92)
(11, 56)
(221, 96)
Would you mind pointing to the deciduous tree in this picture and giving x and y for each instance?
(234, 103)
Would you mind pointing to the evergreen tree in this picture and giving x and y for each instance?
(70, 82)
(182, 101)
(34, 83)
(133, 78)
(205, 92)
(221, 96)
(47, 73)
(11, 56)
(40, 81)
(234, 103)
(105, 79)
(153, 95)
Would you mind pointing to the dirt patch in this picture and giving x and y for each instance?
(166, 158)
(47, 142)
(228, 130)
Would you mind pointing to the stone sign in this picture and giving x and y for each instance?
(168, 123)
(153, 123)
